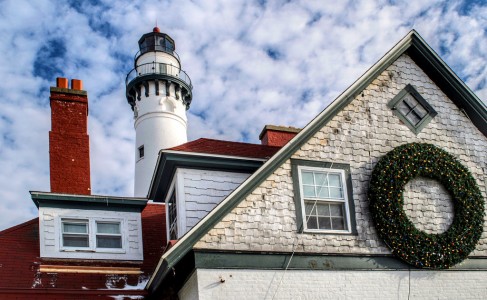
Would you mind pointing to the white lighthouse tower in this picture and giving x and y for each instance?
(159, 92)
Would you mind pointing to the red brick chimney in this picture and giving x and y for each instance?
(277, 135)
(69, 145)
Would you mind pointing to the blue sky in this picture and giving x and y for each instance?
(252, 63)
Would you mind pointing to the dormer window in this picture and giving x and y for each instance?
(89, 226)
(75, 233)
(108, 235)
(91, 234)
(413, 110)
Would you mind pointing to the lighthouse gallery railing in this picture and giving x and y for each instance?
(158, 68)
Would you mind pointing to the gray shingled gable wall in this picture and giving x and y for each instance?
(358, 135)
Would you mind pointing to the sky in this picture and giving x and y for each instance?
(251, 63)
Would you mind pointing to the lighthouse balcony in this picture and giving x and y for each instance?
(157, 68)
(139, 77)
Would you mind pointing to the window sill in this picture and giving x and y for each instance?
(328, 232)
(115, 251)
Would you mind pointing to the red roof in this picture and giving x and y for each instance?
(219, 147)
(21, 278)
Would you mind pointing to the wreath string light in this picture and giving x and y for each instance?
(416, 247)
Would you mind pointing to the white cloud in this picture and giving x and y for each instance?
(251, 64)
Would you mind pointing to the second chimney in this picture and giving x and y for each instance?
(273, 135)
(69, 146)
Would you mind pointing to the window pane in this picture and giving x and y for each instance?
(75, 227)
(338, 223)
(113, 228)
(420, 110)
(309, 191)
(320, 179)
(75, 241)
(410, 101)
(169, 46)
(413, 118)
(336, 210)
(323, 209)
(310, 208)
(109, 242)
(336, 193)
(173, 217)
(307, 178)
(324, 223)
(312, 223)
(323, 192)
(335, 180)
(403, 108)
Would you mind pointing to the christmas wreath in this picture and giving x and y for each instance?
(416, 247)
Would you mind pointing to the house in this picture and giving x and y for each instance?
(379, 196)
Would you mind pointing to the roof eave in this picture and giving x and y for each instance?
(39, 197)
(169, 160)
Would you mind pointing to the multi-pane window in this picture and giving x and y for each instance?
(91, 234)
(173, 217)
(412, 109)
(324, 200)
(76, 233)
(108, 235)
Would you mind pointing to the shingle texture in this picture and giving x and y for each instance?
(359, 135)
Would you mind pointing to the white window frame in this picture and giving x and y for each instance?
(345, 200)
(92, 234)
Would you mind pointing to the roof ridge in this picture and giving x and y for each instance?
(225, 141)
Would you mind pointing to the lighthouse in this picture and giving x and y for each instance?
(159, 93)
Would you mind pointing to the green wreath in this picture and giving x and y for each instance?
(416, 247)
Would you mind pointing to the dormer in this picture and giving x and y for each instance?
(73, 224)
(193, 178)
(89, 226)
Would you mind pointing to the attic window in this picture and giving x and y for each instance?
(412, 109)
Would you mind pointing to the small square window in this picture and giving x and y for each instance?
(412, 109)
(323, 197)
(141, 151)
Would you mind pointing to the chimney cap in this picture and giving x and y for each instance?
(289, 129)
